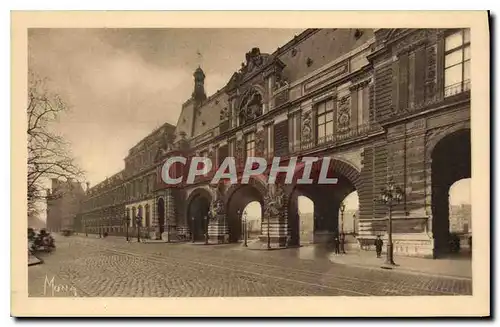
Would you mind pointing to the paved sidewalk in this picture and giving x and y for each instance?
(454, 268)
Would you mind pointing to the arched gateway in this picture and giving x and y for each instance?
(197, 213)
(451, 161)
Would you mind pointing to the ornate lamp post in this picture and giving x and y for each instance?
(206, 228)
(342, 235)
(245, 227)
(138, 221)
(354, 223)
(192, 229)
(127, 222)
(390, 196)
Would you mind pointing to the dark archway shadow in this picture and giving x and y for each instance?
(237, 201)
(198, 209)
(326, 199)
(451, 161)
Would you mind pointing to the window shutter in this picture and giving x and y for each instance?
(419, 76)
(403, 81)
(297, 129)
(395, 86)
(411, 80)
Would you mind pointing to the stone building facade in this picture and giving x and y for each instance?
(63, 204)
(379, 103)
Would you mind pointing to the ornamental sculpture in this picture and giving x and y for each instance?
(344, 112)
(250, 106)
(274, 200)
(217, 204)
(306, 126)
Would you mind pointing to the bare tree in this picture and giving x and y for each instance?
(48, 153)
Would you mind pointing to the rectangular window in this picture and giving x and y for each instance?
(324, 121)
(269, 140)
(457, 63)
(294, 130)
(249, 145)
(361, 104)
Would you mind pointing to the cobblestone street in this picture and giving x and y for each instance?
(88, 266)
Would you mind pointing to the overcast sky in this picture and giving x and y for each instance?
(123, 83)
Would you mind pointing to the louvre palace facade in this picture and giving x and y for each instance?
(381, 103)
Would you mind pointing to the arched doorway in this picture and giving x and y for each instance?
(326, 202)
(451, 162)
(197, 213)
(238, 198)
(161, 215)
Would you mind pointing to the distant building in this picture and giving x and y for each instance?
(460, 218)
(63, 203)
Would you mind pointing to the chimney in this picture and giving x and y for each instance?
(88, 186)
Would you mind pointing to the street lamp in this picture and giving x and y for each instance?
(390, 196)
(192, 229)
(268, 231)
(138, 221)
(206, 229)
(342, 236)
(354, 223)
(245, 227)
(127, 221)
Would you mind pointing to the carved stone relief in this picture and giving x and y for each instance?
(239, 151)
(250, 106)
(344, 112)
(259, 143)
(224, 114)
(306, 126)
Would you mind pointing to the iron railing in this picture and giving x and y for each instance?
(339, 136)
(457, 88)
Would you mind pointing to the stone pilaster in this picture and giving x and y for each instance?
(170, 221)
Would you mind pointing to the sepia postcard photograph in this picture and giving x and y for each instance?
(250, 164)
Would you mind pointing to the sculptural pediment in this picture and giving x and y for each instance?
(250, 106)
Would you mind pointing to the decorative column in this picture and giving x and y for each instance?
(218, 231)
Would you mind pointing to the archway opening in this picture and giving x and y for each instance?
(242, 197)
(253, 212)
(451, 162)
(161, 215)
(326, 202)
(198, 217)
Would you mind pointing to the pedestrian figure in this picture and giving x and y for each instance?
(336, 244)
(342, 243)
(378, 246)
